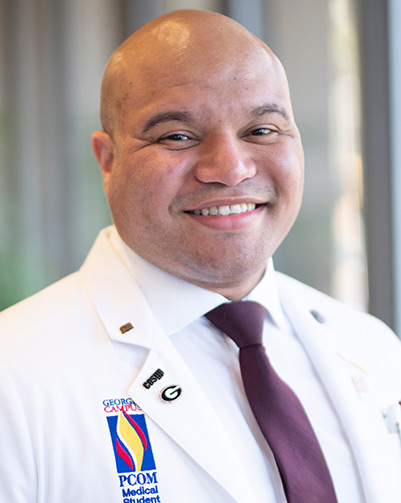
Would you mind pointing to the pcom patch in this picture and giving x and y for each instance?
(130, 438)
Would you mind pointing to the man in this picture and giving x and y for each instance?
(114, 385)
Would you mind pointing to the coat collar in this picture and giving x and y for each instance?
(117, 299)
(177, 303)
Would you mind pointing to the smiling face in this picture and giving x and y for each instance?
(203, 166)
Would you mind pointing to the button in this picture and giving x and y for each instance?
(318, 316)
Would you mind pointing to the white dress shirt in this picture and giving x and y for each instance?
(179, 307)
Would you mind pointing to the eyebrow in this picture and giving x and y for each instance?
(169, 116)
(180, 116)
(269, 108)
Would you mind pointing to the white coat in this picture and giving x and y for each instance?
(67, 370)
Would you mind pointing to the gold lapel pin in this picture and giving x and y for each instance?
(126, 328)
(352, 362)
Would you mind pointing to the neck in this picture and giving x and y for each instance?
(237, 291)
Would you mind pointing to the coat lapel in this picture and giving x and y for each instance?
(364, 426)
(190, 421)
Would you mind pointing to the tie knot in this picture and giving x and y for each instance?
(241, 320)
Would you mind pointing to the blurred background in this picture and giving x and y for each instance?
(343, 62)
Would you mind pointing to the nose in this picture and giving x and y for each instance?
(224, 159)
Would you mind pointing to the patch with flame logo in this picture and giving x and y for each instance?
(132, 449)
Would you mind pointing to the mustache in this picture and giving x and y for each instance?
(216, 190)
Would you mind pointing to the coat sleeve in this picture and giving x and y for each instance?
(17, 468)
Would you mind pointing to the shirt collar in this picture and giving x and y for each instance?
(175, 303)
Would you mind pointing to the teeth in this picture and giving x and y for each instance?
(225, 210)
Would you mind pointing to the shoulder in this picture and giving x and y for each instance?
(54, 306)
(351, 333)
(44, 301)
(313, 299)
(346, 320)
(43, 317)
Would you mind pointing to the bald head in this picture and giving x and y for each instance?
(197, 115)
(175, 43)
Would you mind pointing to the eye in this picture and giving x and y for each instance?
(262, 131)
(178, 141)
(176, 137)
(262, 135)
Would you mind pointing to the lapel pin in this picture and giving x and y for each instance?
(156, 376)
(126, 328)
(361, 385)
(352, 362)
(170, 393)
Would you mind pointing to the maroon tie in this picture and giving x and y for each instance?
(279, 413)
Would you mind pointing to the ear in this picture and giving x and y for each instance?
(103, 148)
